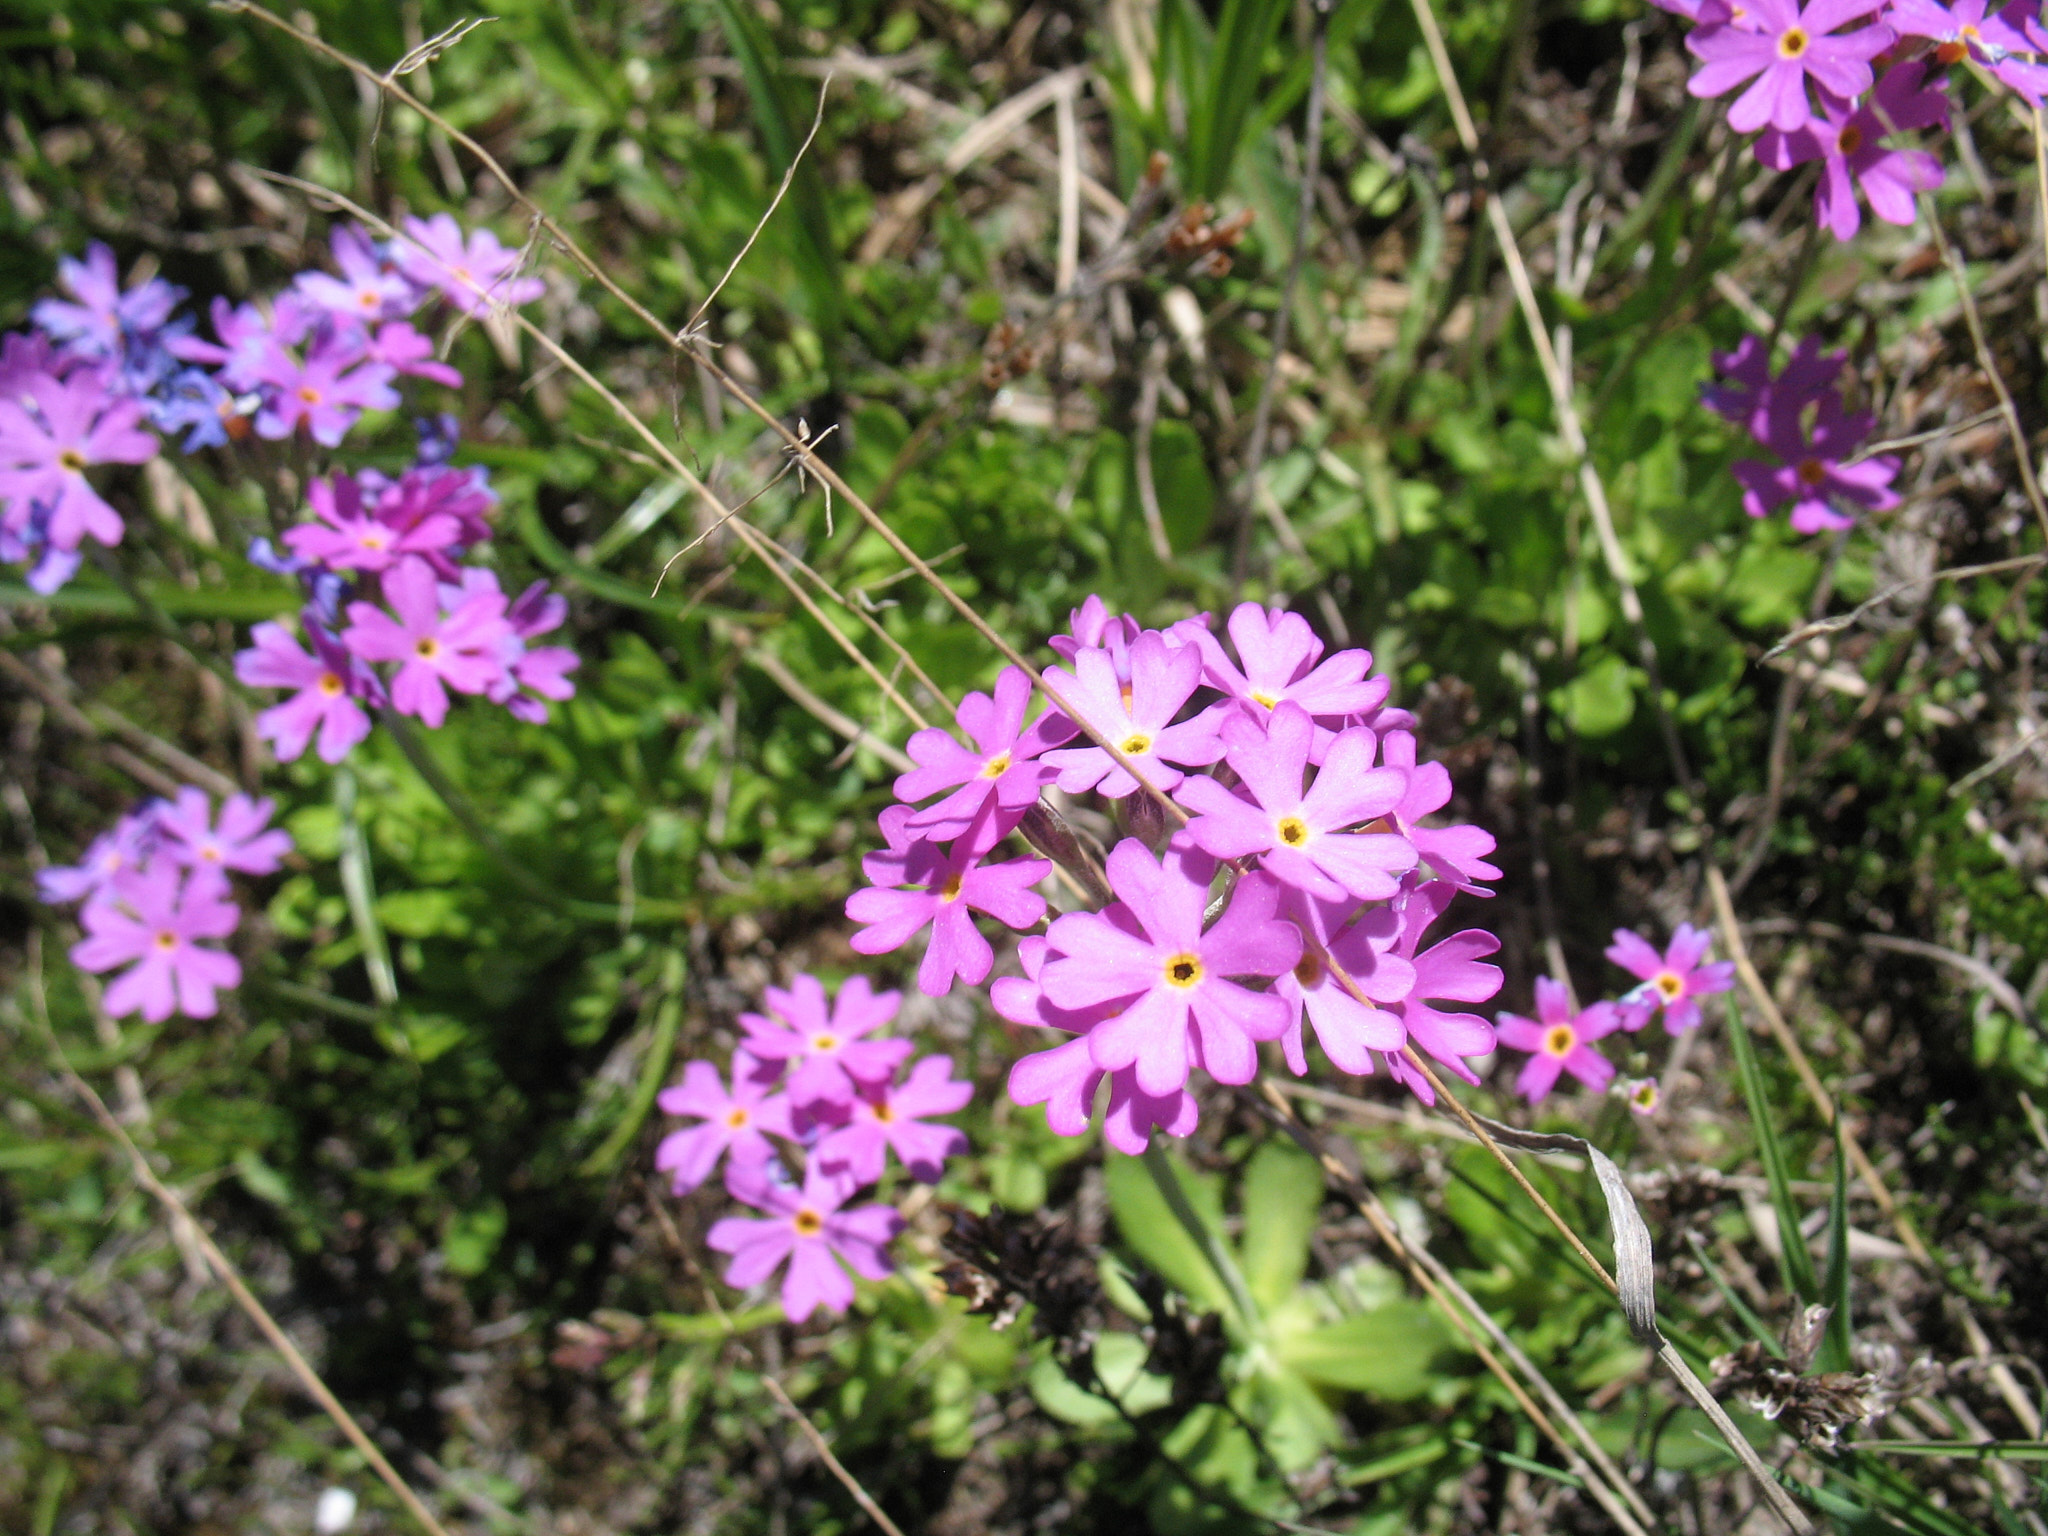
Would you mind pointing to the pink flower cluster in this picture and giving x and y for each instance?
(1300, 884)
(154, 886)
(812, 1111)
(1799, 415)
(1560, 1041)
(1810, 86)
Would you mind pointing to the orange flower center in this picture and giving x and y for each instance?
(824, 1042)
(737, 1118)
(950, 891)
(1560, 1040)
(166, 940)
(1671, 985)
(309, 394)
(72, 460)
(1849, 140)
(1950, 53)
(885, 1114)
(1792, 43)
(427, 648)
(1309, 970)
(808, 1223)
(1293, 831)
(1811, 471)
(330, 685)
(1263, 698)
(1183, 970)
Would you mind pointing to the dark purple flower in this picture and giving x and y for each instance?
(1817, 472)
(1750, 396)
(1848, 143)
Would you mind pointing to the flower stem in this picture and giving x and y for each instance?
(1160, 1166)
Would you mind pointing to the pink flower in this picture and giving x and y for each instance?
(402, 349)
(1457, 853)
(1135, 716)
(369, 288)
(472, 274)
(1301, 836)
(1751, 397)
(1781, 43)
(946, 888)
(1670, 981)
(1848, 143)
(807, 1228)
(827, 1044)
(1451, 970)
(458, 648)
(104, 318)
(329, 684)
(1001, 770)
(1348, 1030)
(326, 392)
(1962, 30)
(47, 446)
(1179, 1009)
(248, 337)
(1561, 1040)
(738, 1121)
(153, 917)
(1064, 1078)
(353, 537)
(1817, 472)
(1279, 655)
(122, 849)
(889, 1117)
(239, 842)
(1644, 1096)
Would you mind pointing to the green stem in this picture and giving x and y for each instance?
(1160, 1166)
(668, 1014)
(359, 886)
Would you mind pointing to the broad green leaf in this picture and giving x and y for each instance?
(1281, 1198)
(1600, 700)
(1120, 1362)
(1155, 1234)
(1389, 1353)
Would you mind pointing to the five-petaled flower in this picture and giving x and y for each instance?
(738, 1120)
(154, 917)
(1672, 981)
(1003, 767)
(1559, 1040)
(826, 1040)
(889, 1117)
(806, 1227)
(1781, 44)
(46, 445)
(329, 682)
(242, 840)
(457, 647)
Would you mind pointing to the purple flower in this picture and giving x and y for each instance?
(738, 1121)
(457, 648)
(428, 491)
(827, 1044)
(1750, 396)
(1064, 1078)
(369, 288)
(1962, 30)
(1301, 836)
(104, 320)
(45, 450)
(1670, 981)
(1136, 716)
(806, 1228)
(248, 335)
(154, 917)
(122, 849)
(889, 1117)
(1457, 853)
(946, 887)
(353, 537)
(326, 392)
(1848, 143)
(1781, 43)
(328, 683)
(1451, 970)
(1816, 472)
(1349, 1030)
(1561, 1040)
(1002, 770)
(1179, 1007)
(525, 672)
(1279, 655)
(404, 350)
(239, 842)
(473, 274)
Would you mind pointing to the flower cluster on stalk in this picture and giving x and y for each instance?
(812, 1109)
(1278, 876)
(153, 887)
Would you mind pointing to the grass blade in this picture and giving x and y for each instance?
(1795, 1261)
(1242, 38)
(1835, 1343)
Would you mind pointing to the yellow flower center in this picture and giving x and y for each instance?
(1671, 985)
(1645, 1096)
(1293, 831)
(824, 1042)
(1184, 970)
(309, 394)
(1792, 43)
(1263, 698)
(166, 940)
(737, 1118)
(996, 766)
(1137, 744)
(373, 538)
(330, 685)
(1560, 1040)
(808, 1223)
(885, 1114)
(72, 460)
(426, 648)
(950, 891)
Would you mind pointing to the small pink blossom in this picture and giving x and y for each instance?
(352, 536)
(154, 917)
(326, 391)
(328, 683)
(738, 1121)
(1136, 717)
(1672, 981)
(471, 273)
(1002, 769)
(238, 841)
(1279, 659)
(47, 445)
(1348, 1028)
(889, 1117)
(1561, 1041)
(1781, 44)
(807, 1229)
(1451, 970)
(457, 648)
(1455, 853)
(1751, 396)
(824, 1041)
(369, 289)
(122, 849)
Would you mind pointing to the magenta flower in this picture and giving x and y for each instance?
(1301, 836)
(154, 917)
(1348, 1029)
(532, 673)
(946, 888)
(122, 849)
(239, 842)
(1816, 472)
(46, 448)
(1962, 30)
(1751, 396)
(1136, 716)
(1457, 853)
(808, 1229)
(369, 289)
(351, 536)
(1452, 970)
(326, 392)
(403, 349)
(103, 318)
(1179, 1007)
(1781, 44)
(1561, 1041)
(248, 336)
(471, 274)
(738, 1121)
(1002, 770)
(458, 648)
(827, 1043)
(1847, 142)
(1064, 1078)
(328, 685)
(428, 491)
(890, 1117)
(1671, 981)
(1278, 654)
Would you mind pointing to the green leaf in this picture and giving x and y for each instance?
(1835, 1344)
(1281, 1197)
(1797, 1262)
(1120, 1362)
(1389, 1352)
(472, 1239)
(1155, 1235)
(1600, 700)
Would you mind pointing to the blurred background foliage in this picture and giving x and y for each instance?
(449, 1198)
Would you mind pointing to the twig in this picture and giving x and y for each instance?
(1985, 770)
(824, 1449)
(1838, 621)
(1147, 421)
(222, 1266)
(97, 719)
